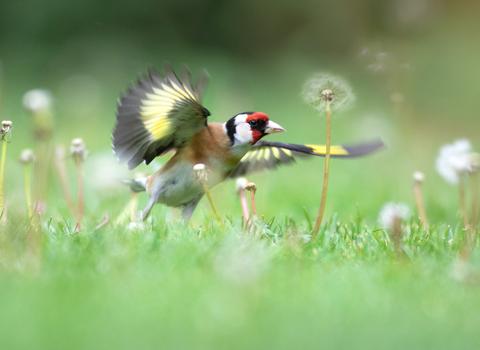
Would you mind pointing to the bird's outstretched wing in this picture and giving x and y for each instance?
(157, 114)
(270, 155)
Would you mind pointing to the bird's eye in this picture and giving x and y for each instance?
(253, 122)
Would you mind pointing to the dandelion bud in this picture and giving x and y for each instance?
(418, 177)
(27, 156)
(251, 187)
(241, 184)
(392, 214)
(37, 101)
(78, 149)
(200, 173)
(474, 162)
(6, 127)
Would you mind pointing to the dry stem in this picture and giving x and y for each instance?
(63, 177)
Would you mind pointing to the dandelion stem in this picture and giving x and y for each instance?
(475, 197)
(210, 199)
(325, 176)
(417, 190)
(397, 237)
(28, 191)
(474, 200)
(134, 206)
(80, 194)
(63, 177)
(463, 202)
(243, 201)
(254, 207)
(2, 171)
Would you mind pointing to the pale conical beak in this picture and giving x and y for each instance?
(273, 128)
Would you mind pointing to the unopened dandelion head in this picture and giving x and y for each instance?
(200, 173)
(454, 161)
(392, 213)
(324, 87)
(78, 149)
(251, 187)
(37, 101)
(27, 156)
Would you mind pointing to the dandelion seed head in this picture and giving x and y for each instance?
(200, 173)
(6, 127)
(27, 156)
(327, 94)
(240, 184)
(454, 161)
(37, 100)
(322, 87)
(392, 212)
(418, 176)
(474, 161)
(78, 149)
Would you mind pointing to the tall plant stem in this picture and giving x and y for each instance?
(134, 206)
(325, 176)
(210, 199)
(474, 200)
(80, 195)
(254, 207)
(41, 174)
(421, 208)
(28, 191)
(463, 202)
(243, 201)
(2, 172)
(63, 177)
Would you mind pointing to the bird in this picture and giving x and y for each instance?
(160, 114)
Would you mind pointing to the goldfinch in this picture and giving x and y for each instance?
(160, 114)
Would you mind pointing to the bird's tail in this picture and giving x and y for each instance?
(136, 185)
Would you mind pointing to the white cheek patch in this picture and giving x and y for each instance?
(243, 134)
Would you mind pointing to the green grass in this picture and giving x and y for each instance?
(203, 287)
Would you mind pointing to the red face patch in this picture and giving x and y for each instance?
(257, 116)
(257, 128)
(256, 136)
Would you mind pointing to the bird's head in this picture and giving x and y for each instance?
(249, 127)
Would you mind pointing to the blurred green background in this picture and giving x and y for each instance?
(414, 65)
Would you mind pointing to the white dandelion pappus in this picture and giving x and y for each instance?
(454, 161)
(37, 100)
(392, 212)
(241, 184)
(78, 149)
(342, 95)
(418, 177)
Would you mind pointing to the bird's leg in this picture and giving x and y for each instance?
(149, 207)
(189, 209)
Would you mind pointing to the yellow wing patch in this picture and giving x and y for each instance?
(155, 109)
(334, 150)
